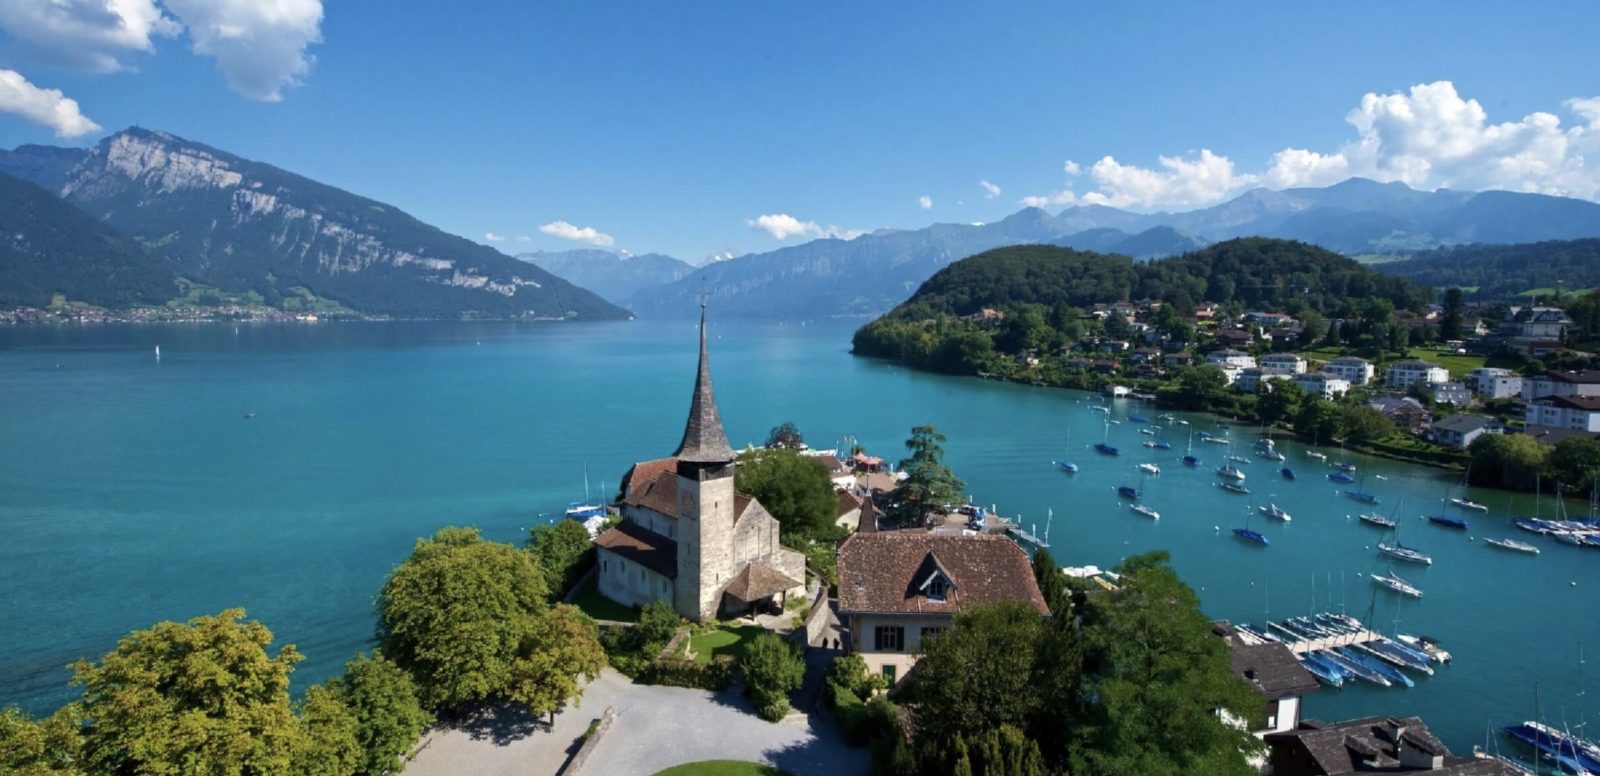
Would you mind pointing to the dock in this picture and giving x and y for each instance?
(1329, 642)
(1026, 537)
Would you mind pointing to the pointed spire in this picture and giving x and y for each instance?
(703, 438)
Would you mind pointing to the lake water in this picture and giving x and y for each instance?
(134, 490)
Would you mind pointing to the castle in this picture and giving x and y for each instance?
(687, 537)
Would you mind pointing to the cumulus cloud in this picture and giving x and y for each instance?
(990, 191)
(260, 47)
(782, 226)
(43, 106)
(583, 234)
(1428, 136)
(1072, 168)
(925, 202)
(492, 237)
(1053, 199)
(98, 36)
(723, 255)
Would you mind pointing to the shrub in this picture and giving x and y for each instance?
(678, 672)
(657, 623)
(772, 667)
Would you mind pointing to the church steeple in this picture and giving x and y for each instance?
(704, 441)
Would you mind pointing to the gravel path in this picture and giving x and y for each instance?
(656, 727)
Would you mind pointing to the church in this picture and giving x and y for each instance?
(687, 537)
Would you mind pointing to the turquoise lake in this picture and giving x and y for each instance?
(134, 490)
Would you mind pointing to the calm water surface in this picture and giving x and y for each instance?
(133, 490)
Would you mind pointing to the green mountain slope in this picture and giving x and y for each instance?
(1499, 271)
(49, 247)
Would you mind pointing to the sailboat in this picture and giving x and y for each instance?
(1188, 452)
(1360, 495)
(1395, 583)
(1275, 512)
(1466, 503)
(1103, 446)
(1248, 535)
(1065, 465)
(583, 510)
(1399, 551)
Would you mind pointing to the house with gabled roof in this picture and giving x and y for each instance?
(687, 537)
(1396, 745)
(897, 589)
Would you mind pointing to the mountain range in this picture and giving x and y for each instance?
(615, 276)
(874, 272)
(201, 215)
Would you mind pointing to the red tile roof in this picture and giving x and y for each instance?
(645, 471)
(646, 548)
(658, 493)
(848, 502)
(882, 572)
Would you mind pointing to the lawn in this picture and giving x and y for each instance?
(1455, 362)
(723, 641)
(601, 608)
(722, 768)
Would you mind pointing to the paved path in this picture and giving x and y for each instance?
(656, 727)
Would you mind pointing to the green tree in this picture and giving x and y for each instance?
(468, 619)
(43, 747)
(1361, 423)
(929, 485)
(1450, 318)
(1278, 401)
(328, 744)
(1052, 584)
(772, 668)
(1201, 386)
(1514, 461)
(794, 488)
(1575, 462)
(980, 674)
(657, 623)
(785, 434)
(565, 553)
(389, 718)
(197, 697)
(1317, 419)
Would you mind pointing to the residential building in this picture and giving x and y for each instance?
(1450, 393)
(1358, 371)
(1460, 429)
(1491, 383)
(1177, 359)
(1238, 338)
(898, 588)
(1250, 380)
(1404, 374)
(1404, 411)
(1535, 323)
(687, 537)
(1395, 745)
(1237, 359)
(1273, 671)
(1585, 383)
(1324, 384)
(847, 514)
(1284, 362)
(1574, 413)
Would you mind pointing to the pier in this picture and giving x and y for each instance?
(1305, 645)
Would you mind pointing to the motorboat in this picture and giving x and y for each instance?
(1149, 468)
(1144, 509)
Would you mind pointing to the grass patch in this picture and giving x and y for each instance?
(722, 768)
(1456, 363)
(723, 641)
(597, 606)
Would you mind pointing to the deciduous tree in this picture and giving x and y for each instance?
(772, 668)
(389, 718)
(794, 488)
(565, 552)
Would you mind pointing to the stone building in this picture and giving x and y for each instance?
(687, 537)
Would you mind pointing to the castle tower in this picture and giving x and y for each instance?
(705, 501)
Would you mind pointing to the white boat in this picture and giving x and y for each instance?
(1145, 510)
(1148, 431)
(1316, 455)
(1399, 551)
(1275, 512)
(1376, 519)
(1466, 503)
(1397, 584)
(1230, 472)
(1100, 408)
(1425, 646)
(1149, 468)
(1513, 545)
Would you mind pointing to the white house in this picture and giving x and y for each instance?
(1404, 374)
(1490, 382)
(1284, 362)
(899, 588)
(1250, 380)
(1450, 393)
(1324, 384)
(1575, 413)
(1585, 383)
(1237, 359)
(1535, 323)
(1460, 430)
(1358, 371)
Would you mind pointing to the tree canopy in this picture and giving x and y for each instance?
(795, 488)
(929, 484)
(468, 618)
(565, 552)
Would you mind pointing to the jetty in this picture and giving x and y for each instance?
(1302, 645)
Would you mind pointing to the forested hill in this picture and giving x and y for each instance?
(1500, 271)
(1254, 272)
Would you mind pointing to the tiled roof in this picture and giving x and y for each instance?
(1586, 377)
(1350, 361)
(646, 548)
(848, 502)
(1588, 403)
(1271, 668)
(1374, 743)
(879, 572)
(659, 493)
(757, 581)
(1462, 423)
(644, 471)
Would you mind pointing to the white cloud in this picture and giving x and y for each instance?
(1428, 137)
(925, 202)
(782, 226)
(260, 46)
(1053, 199)
(719, 256)
(93, 35)
(584, 234)
(1185, 182)
(43, 106)
(990, 191)
(492, 237)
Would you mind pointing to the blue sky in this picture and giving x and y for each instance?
(699, 129)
